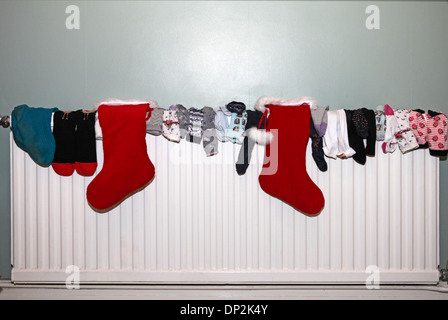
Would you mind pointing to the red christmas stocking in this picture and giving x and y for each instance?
(284, 174)
(127, 167)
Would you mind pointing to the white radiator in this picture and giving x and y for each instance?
(199, 222)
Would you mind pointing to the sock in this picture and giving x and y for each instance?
(245, 154)
(380, 122)
(170, 124)
(390, 143)
(316, 148)
(417, 121)
(183, 116)
(64, 131)
(194, 133)
(354, 140)
(371, 137)
(85, 156)
(154, 124)
(320, 119)
(31, 128)
(127, 167)
(209, 136)
(284, 174)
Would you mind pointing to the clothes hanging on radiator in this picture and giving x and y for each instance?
(417, 122)
(371, 137)
(183, 116)
(201, 127)
(155, 122)
(380, 123)
(170, 124)
(31, 128)
(238, 121)
(362, 120)
(398, 131)
(320, 119)
(361, 127)
(209, 137)
(317, 151)
(245, 153)
(194, 133)
(437, 125)
(222, 121)
(336, 143)
(74, 133)
(405, 137)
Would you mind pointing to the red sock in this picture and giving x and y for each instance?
(127, 167)
(285, 176)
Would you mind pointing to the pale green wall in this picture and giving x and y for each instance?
(209, 53)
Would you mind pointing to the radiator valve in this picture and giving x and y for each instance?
(4, 121)
(444, 274)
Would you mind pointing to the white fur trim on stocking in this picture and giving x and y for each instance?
(264, 137)
(261, 103)
(117, 102)
(261, 136)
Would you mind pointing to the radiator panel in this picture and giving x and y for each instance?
(199, 222)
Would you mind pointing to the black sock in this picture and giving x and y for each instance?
(85, 158)
(64, 130)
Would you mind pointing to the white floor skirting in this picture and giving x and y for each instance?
(10, 291)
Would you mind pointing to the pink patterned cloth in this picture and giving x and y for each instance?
(437, 125)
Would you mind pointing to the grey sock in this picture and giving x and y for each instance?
(320, 119)
(154, 123)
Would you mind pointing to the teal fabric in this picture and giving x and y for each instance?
(31, 128)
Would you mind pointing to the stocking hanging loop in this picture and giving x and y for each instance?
(264, 118)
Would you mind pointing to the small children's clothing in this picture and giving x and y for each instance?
(170, 125)
(371, 137)
(355, 140)
(335, 142)
(183, 116)
(245, 154)
(237, 127)
(236, 107)
(209, 139)
(231, 130)
(316, 148)
(360, 123)
(398, 131)
(31, 128)
(154, 124)
(64, 132)
(361, 126)
(437, 125)
(74, 134)
(390, 143)
(405, 137)
(320, 118)
(222, 121)
(380, 122)
(85, 157)
(417, 122)
(194, 133)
